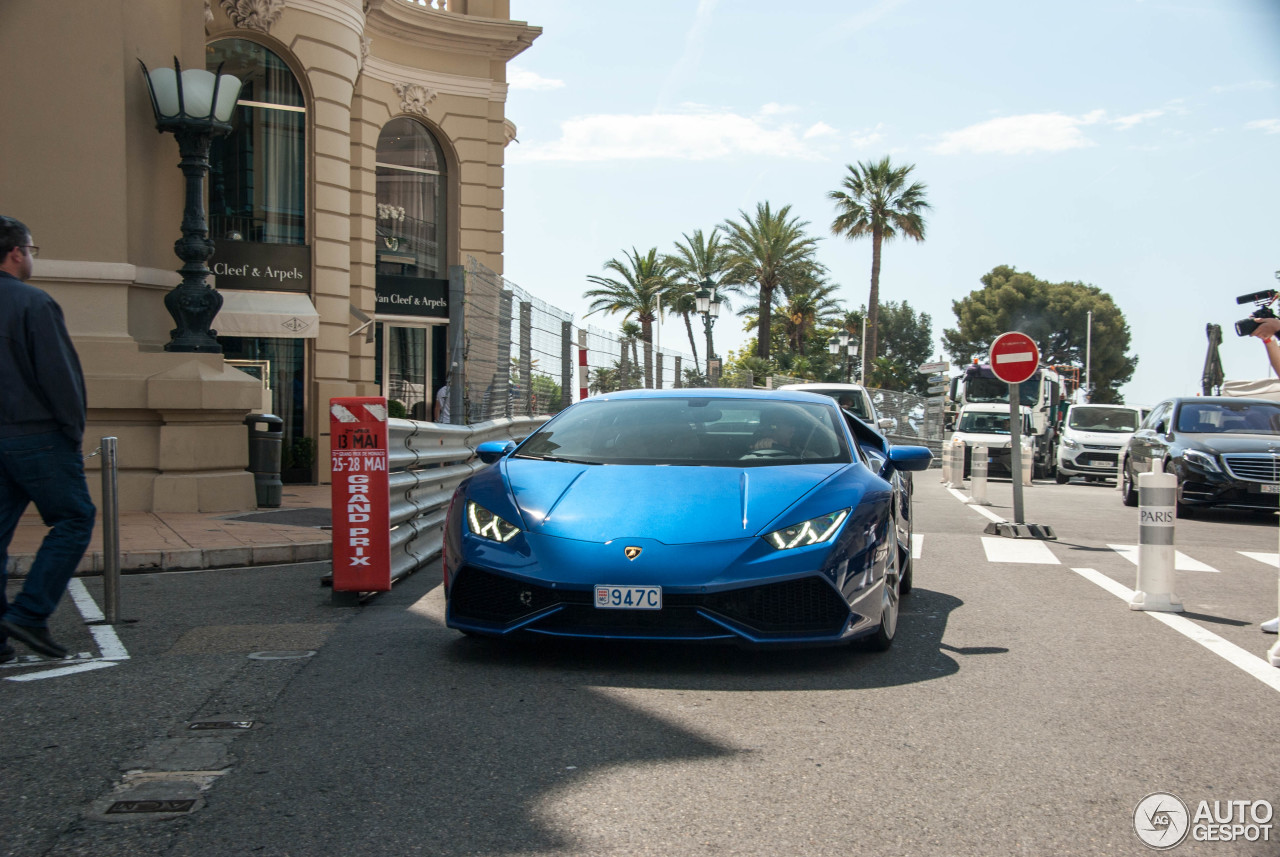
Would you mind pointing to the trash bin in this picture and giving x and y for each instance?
(265, 446)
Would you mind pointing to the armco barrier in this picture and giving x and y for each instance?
(392, 483)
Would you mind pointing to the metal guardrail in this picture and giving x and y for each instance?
(426, 462)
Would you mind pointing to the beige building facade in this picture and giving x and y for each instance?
(366, 159)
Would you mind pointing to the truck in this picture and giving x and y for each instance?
(1044, 396)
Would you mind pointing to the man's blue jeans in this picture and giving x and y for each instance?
(47, 470)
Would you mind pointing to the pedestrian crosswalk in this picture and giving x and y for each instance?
(1037, 552)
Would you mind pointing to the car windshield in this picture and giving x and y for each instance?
(853, 401)
(1103, 419)
(695, 432)
(983, 423)
(1230, 418)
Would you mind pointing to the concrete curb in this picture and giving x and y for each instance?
(191, 559)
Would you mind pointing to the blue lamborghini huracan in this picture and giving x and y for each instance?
(759, 518)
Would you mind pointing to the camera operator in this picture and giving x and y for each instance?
(1267, 330)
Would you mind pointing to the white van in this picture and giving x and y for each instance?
(988, 425)
(1091, 438)
(852, 397)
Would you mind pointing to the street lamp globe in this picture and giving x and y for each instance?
(833, 345)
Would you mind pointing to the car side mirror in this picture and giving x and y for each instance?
(910, 457)
(491, 450)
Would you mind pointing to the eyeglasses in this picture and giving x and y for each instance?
(32, 249)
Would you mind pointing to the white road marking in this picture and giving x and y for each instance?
(1181, 562)
(917, 545)
(1230, 652)
(113, 651)
(1028, 551)
(981, 510)
(1271, 559)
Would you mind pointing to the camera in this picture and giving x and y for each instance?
(1246, 326)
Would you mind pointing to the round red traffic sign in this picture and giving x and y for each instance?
(1014, 357)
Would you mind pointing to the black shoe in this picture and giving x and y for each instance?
(35, 639)
(7, 654)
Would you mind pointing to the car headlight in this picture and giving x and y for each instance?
(809, 532)
(1203, 460)
(1068, 443)
(486, 525)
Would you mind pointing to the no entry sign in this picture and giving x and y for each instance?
(1014, 357)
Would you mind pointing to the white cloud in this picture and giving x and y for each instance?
(1127, 122)
(520, 78)
(668, 136)
(1270, 126)
(775, 109)
(1020, 135)
(867, 139)
(1247, 86)
(819, 129)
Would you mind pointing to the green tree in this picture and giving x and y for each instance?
(907, 340)
(635, 292)
(877, 201)
(699, 258)
(764, 250)
(1056, 316)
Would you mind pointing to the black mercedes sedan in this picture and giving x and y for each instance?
(1225, 451)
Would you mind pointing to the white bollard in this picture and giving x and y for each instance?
(946, 463)
(1157, 511)
(957, 464)
(978, 475)
(1273, 654)
(1028, 463)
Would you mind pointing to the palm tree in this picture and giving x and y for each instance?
(879, 203)
(764, 250)
(810, 303)
(637, 292)
(699, 258)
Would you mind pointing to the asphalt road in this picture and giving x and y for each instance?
(1024, 709)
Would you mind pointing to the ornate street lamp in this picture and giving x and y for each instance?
(195, 106)
(707, 302)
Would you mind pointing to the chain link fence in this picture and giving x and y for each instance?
(523, 357)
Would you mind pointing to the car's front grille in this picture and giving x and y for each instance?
(807, 605)
(1103, 446)
(1254, 467)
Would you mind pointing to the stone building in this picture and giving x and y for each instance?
(365, 159)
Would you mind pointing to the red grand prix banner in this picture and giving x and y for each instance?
(360, 496)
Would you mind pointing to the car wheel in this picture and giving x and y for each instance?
(1062, 478)
(1128, 491)
(890, 595)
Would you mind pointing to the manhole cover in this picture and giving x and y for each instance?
(121, 807)
(285, 655)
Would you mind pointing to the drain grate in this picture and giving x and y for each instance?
(123, 807)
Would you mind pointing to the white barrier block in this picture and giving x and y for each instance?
(1157, 512)
(978, 476)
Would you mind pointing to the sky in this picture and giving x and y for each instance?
(1132, 145)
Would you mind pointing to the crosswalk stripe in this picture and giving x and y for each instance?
(917, 545)
(1027, 551)
(1181, 562)
(1271, 559)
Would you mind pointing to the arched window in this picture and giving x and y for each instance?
(257, 182)
(411, 201)
(412, 260)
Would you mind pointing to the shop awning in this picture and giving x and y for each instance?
(281, 315)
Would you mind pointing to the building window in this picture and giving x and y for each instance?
(411, 201)
(257, 181)
(411, 249)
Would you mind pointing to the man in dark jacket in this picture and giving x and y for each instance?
(42, 417)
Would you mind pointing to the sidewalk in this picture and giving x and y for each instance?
(298, 531)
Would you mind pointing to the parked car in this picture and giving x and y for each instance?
(1225, 451)
(757, 518)
(987, 425)
(853, 398)
(1091, 438)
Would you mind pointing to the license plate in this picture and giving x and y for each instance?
(1270, 487)
(629, 597)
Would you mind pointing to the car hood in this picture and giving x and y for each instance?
(990, 441)
(1230, 444)
(1110, 438)
(674, 505)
